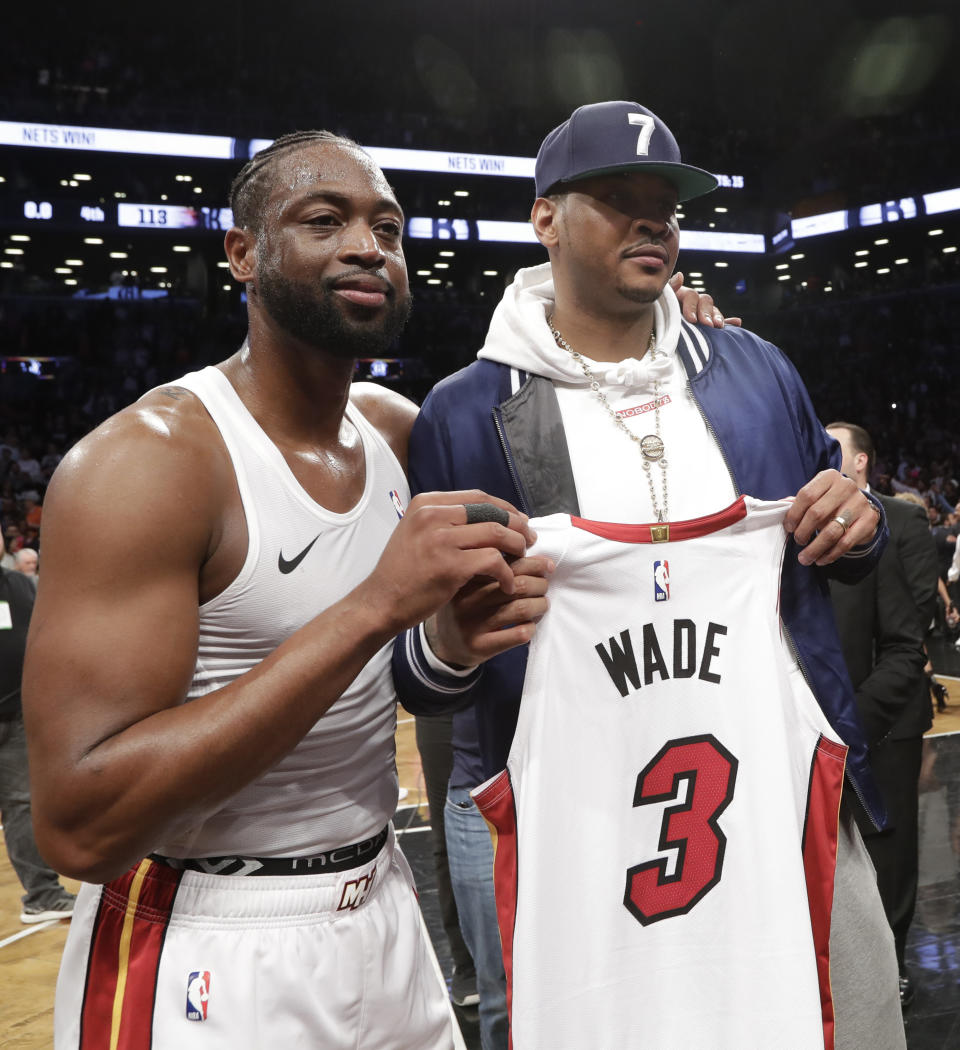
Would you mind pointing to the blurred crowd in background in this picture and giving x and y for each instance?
(852, 109)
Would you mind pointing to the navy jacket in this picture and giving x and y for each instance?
(473, 432)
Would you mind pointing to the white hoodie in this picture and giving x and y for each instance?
(607, 466)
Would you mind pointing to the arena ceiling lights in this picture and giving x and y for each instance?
(219, 147)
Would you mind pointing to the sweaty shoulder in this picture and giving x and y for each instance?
(391, 413)
(157, 464)
(166, 428)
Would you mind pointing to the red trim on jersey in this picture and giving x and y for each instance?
(495, 801)
(679, 530)
(820, 833)
(124, 958)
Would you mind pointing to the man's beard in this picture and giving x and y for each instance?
(318, 319)
(644, 296)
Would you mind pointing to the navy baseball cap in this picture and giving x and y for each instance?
(616, 136)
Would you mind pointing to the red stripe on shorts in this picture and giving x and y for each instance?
(820, 863)
(124, 958)
(495, 801)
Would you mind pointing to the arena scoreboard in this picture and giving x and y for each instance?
(72, 214)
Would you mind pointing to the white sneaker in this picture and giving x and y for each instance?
(62, 909)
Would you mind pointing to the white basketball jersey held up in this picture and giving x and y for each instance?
(339, 785)
(666, 826)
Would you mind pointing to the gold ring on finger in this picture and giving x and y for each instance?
(844, 520)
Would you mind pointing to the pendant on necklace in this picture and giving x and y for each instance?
(651, 447)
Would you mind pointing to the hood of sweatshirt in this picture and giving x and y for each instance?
(520, 337)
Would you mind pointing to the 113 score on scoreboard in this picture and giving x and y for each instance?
(173, 217)
(62, 214)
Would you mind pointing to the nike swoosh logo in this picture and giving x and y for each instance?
(288, 566)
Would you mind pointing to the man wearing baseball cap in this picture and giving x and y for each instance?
(593, 396)
(597, 140)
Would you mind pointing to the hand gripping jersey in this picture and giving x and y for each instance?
(666, 825)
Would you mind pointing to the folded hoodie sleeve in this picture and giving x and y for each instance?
(422, 686)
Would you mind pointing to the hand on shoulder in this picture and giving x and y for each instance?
(699, 306)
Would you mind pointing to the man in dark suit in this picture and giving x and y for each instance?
(882, 622)
(45, 899)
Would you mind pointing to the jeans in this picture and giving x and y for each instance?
(470, 856)
(41, 883)
(436, 759)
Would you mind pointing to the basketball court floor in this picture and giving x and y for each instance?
(29, 956)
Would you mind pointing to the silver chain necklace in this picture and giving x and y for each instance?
(651, 446)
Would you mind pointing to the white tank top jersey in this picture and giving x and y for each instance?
(666, 826)
(339, 785)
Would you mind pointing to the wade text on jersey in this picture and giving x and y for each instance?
(694, 653)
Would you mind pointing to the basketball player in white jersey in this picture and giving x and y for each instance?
(209, 705)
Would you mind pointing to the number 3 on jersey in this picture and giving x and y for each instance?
(689, 827)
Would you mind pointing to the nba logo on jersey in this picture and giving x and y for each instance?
(661, 580)
(397, 502)
(198, 992)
